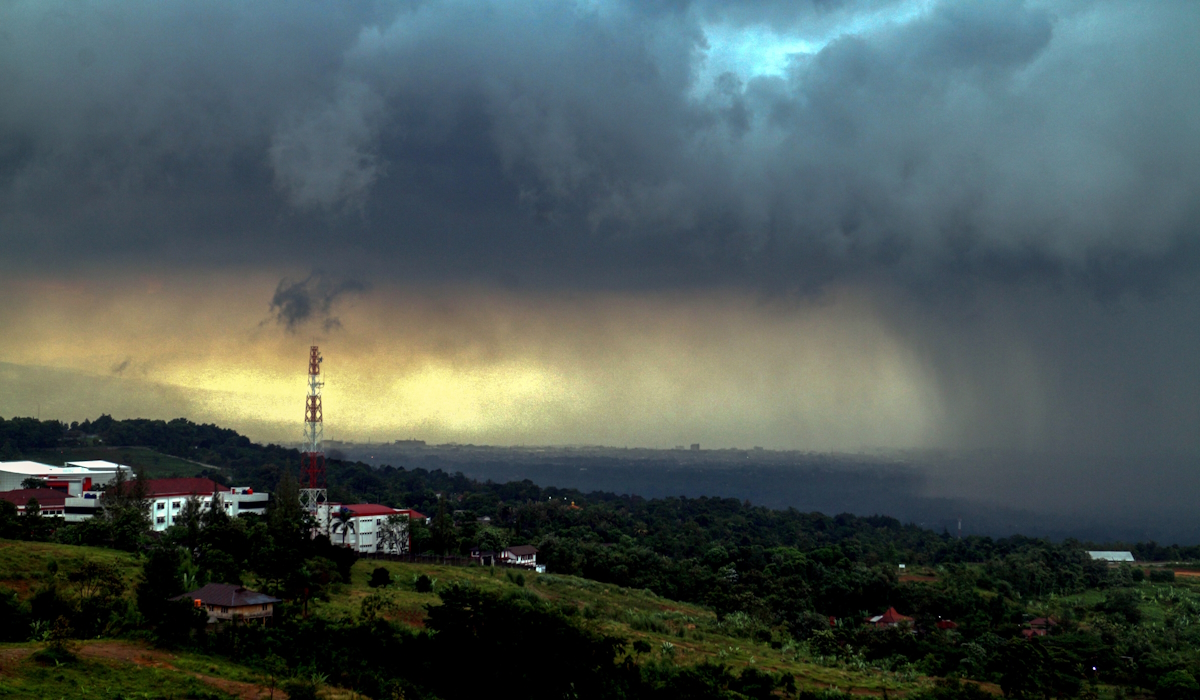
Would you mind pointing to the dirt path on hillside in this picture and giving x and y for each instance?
(155, 658)
(11, 657)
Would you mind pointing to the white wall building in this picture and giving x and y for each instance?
(366, 528)
(76, 478)
(168, 499)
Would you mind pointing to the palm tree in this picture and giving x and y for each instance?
(346, 521)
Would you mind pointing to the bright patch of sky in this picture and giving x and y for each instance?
(751, 51)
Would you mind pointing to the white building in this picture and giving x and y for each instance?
(168, 499)
(370, 528)
(76, 478)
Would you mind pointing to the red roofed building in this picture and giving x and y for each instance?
(1039, 627)
(370, 528)
(891, 618)
(50, 501)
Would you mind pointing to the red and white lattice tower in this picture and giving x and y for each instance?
(313, 495)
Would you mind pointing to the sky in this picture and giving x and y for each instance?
(827, 225)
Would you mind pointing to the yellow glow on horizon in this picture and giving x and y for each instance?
(475, 365)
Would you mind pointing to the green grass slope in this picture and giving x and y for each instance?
(682, 632)
(23, 565)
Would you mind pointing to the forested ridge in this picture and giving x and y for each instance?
(783, 578)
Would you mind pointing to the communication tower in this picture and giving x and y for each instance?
(313, 495)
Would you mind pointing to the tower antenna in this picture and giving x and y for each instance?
(313, 495)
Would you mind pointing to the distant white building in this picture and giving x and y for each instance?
(76, 478)
(519, 555)
(168, 499)
(370, 528)
(1111, 556)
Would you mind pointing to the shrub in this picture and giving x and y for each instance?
(1162, 576)
(380, 577)
(424, 584)
(300, 688)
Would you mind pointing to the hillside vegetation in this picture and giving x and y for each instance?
(644, 597)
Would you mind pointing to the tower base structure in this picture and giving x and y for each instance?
(314, 502)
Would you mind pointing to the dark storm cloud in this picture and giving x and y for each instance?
(578, 141)
(295, 304)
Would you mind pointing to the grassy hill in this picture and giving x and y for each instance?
(672, 632)
(24, 565)
(684, 633)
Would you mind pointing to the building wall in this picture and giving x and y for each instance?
(217, 613)
(165, 510)
(362, 534)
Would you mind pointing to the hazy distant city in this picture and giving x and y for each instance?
(1033, 494)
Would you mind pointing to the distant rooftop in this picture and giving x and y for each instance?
(99, 465)
(1112, 556)
(27, 467)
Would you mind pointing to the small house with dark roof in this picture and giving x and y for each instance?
(520, 555)
(524, 555)
(1039, 627)
(226, 603)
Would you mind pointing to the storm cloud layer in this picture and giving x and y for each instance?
(812, 225)
(771, 144)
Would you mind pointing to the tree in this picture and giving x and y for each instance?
(492, 539)
(99, 588)
(126, 509)
(380, 577)
(344, 522)
(443, 528)
(162, 578)
(33, 483)
(10, 520)
(8, 453)
(1177, 685)
(32, 525)
(393, 534)
(13, 620)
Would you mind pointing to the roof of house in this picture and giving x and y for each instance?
(362, 510)
(99, 465)
(412, 514)
(27, 467)
(190, 486)
(1112, 556)
(227, 595)
(1043, 622)
(522, 550)
(45, 497)
(891, 617)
